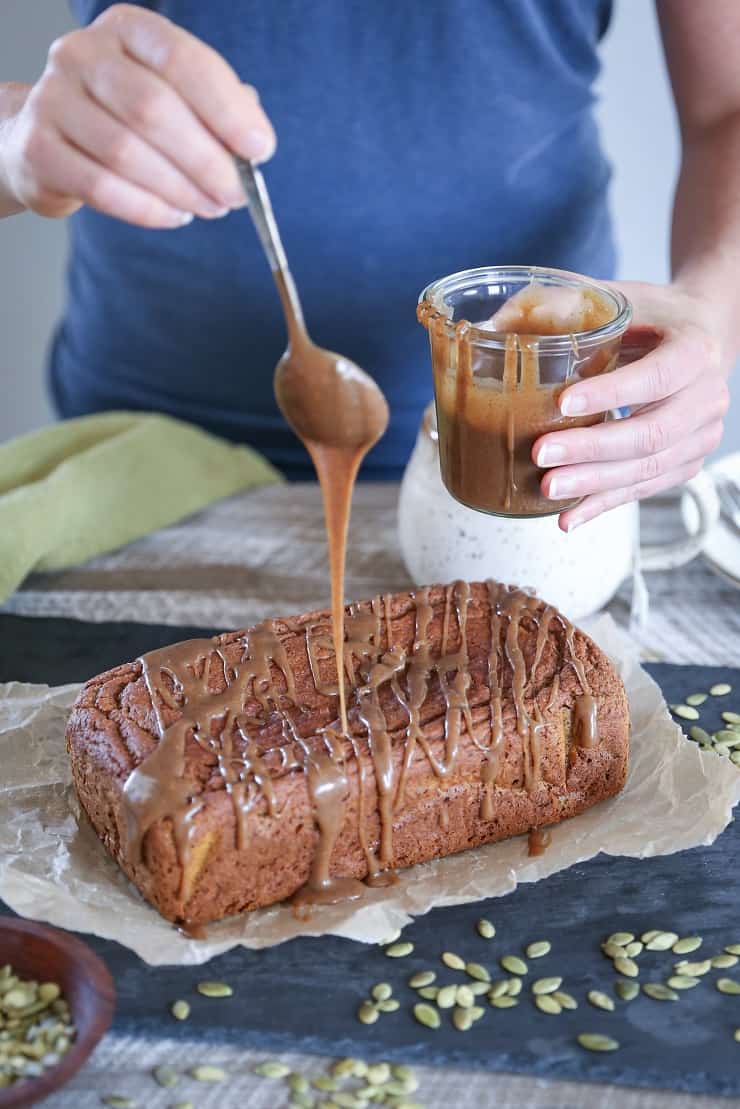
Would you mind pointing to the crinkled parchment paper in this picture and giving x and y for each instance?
(53, 868)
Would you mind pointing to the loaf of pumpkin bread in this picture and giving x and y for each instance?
(217, 775)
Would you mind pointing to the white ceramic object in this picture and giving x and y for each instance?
(579, 573)
(721, 549)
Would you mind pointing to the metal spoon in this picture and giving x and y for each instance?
(333, 406)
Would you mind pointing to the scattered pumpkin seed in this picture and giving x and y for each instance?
(272, 1068)
(381, 991)
(367, 1013)
(546, 985)
(182, 1105)
(513, 964)
(728, 985)
(299, 1084)
(736, 1035)
(686, 712)
(627, 967)
(208, 1073)
(621, 939)
(399, 950)
(404, 1074)
(446, 997)
(659, 992)
(721, 749)
(378, 1073)
(422, 978)
(486, 929)
(427, 1016)
(499, 989)
(454, 962)
(214, 989)
(462, 1019)
(601, 1000)
(505, 1002)
(465, 997)
(323, 1082)
(477, 1012)
(731, 717)
(594, 1041)
(515, 987)
(696, 699)
(682, 982)
(662, 941)
(479, 988)
(344, 1100)
(724, 962)
(475, 970)
(117, 1102)
(634, 949)
(537, 949)
(686, 945)
(389, 1005)
(732, 948)
(646, 937)
(546, 1003)
(180, 1010)
(699, 734)
(628, 991)
(429, 993)
(165, 1076)
(720, 689)
(613, 951)
(693, 970)
(565, 1000)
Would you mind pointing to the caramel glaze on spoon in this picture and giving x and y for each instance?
(334, 407)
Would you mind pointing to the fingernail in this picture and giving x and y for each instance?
(560, 487)
(258, 145)
(212, 211)
(182, 219)
(572, 404)
(550, 454)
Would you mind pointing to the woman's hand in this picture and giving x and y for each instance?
(136, 118)
(678, 395)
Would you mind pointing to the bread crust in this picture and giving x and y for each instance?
(113, 728)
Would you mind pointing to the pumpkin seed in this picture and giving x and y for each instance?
(634, 949)
(686, 712)
(427, 1016)
(48, 992)
(659, 992)
(404, 1074)
(565, 1000)
(465, 997)
(537, 949)
(182, 1105)
(646, 937)
(613, 951)
(505, 1002)
(736, 1035)
(117, 1102)
(600, 1000)
(720, 689)
(546, 985)
(303, 1101)
(731, 717)
(513, 964)
(699, 734)
(345, 1100)
(696, 699)
(214, 989)
(165, 1076)
(627, 967)
(662, 941)
(594, 1041)
(367, 1013)
(475, 970)
(628, 991)
(477, 1012)
(360, 1068)
(724, 962)
(682, 982)
(686, 945)
(422, 978)
(323, 1082)
(462, 1019)
(721, 749)
(378, 1073)
(732, 948)
(693, 970)
(399, 950)
(207, 1073)
(446, 997)
(621, 939)
(486, 929)
(548, 1004)
(454, 962)
(479, 988)
(429, 993)
(389, 1005)
(271, 1068)
(515, 987)
(382, 991)
(499, 989)
(299, 1084)
(728, 985)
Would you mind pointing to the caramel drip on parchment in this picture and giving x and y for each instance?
(227, 723)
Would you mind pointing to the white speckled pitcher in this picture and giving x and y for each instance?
(579, 573)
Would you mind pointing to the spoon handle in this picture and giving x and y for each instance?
(262, 214)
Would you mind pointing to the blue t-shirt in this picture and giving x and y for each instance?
(416, 139)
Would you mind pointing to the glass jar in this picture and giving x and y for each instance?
(496, 393)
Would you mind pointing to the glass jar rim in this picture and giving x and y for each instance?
(435, 293)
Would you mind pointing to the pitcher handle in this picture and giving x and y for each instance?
(667, 556)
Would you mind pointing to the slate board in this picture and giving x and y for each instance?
(304, 994)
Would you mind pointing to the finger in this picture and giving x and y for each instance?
(97, 133)
(648, 431)
(671, 366)
(63, 171)
(601, 502)
(204, 79)
(149, 107)
(579, 481)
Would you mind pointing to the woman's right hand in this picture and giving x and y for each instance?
(137, 118)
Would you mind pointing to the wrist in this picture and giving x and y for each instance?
(712, 287)
(12, 99)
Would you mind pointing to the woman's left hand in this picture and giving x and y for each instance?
(678, 396)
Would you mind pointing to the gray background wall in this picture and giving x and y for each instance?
(639, 132)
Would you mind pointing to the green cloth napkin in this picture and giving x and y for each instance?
(81, 487)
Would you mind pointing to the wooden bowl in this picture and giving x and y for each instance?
(50, 955)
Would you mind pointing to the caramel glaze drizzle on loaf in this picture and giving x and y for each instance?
(178, 677)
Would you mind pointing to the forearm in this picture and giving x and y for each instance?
(12, 98)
